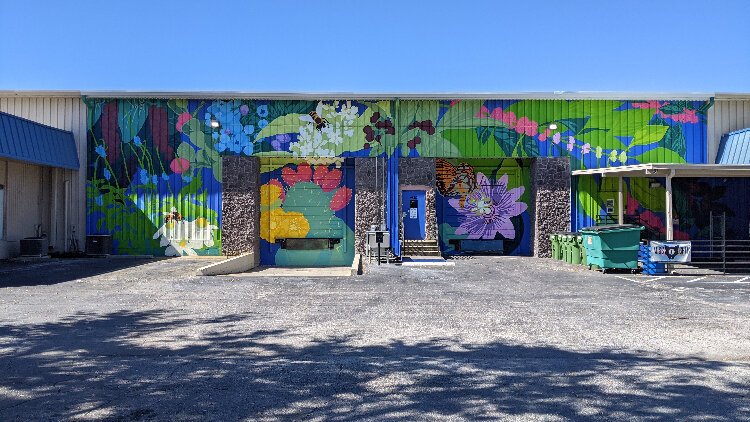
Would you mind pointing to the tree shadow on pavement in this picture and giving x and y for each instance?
(159, 365)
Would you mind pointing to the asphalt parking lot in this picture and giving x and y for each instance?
(494, 338)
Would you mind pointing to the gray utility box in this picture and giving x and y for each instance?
(35, 246)
(98, 244)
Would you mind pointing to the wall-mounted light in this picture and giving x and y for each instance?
(214, 123)
(553, 126)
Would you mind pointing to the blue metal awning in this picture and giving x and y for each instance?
(31, 142)
(734, 148)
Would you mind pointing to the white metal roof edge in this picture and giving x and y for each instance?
(561, 95)
(656, 169)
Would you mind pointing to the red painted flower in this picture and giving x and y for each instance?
(327, 179)
(648, 104)
(179, 165)
(341, 198)
(181, 120)
(303, 174)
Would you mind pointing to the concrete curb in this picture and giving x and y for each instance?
(356, 264)
(236, 264)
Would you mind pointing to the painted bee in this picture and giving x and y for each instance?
(172, 216)
(315, 118)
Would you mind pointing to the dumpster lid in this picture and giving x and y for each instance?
(611, 227)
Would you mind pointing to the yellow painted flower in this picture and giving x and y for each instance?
(270, 194)
(279, 224)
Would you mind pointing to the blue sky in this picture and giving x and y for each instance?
(376, 46)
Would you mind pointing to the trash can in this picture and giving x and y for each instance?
(555, 240)
(567, 246)
(612, 246)
(575, 247)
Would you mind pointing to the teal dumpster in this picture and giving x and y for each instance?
(612, 246)
(584, 261)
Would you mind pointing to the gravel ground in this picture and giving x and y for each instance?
(495, 338)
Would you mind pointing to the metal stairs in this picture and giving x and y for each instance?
(420, 248)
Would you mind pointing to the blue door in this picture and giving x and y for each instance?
(413, 208)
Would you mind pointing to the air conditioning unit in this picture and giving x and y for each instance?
(34, 246)
(98, 244)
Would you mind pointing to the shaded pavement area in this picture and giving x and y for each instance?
(495, 338)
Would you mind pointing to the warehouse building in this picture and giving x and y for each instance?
(301, 179)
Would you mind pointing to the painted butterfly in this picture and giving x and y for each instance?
(455, 180)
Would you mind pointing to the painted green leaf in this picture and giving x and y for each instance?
(575, 125)
(507, 139)
(648, 135)
(289, 123)
(660, 155)
(131, 115)
(588, 198)
(530, 147)
(651, 198)
(623, 123)
(282, 108)
(674, 140)
(483, 133)
(186, 151)
(456, 141)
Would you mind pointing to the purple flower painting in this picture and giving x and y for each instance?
(488, 209)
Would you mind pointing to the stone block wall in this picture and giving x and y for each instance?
(240, 205)
(550, 201)
(369, 198)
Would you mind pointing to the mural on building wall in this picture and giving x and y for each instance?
(154, 179)
(307, 201)
(483, 200)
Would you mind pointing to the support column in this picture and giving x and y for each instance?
(668, 207)
(369, 197)
(240, 206)
(550, 201)
(620, 203)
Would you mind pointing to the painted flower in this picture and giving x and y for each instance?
(179, 165)
(99, 200)
(556, 138)
(328, 180)
(270, 193)
(262, 110)
(302, 174)
(137, 141)
(525, 126)
(283, 224)
(613, 155)
(107, 174)
(262, 123)
(623, 157)
(571, 143)
(599, 152)
(341, 198)
(586, 148)
(244, 109)
(544, 135)
(686, 116)
(184, 237)
(182, 119)
(647, 104)
(143, 176)
(100, 150)
(279, 141)
(488, 209)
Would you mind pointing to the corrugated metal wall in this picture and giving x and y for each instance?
(727, 115)
(64, 112)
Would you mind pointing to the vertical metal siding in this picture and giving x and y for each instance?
(67, 113)
(724, 117)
